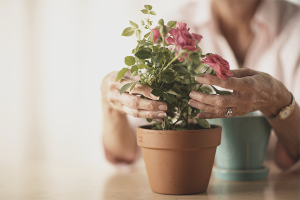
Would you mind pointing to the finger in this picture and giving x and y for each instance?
(232, 83)
(215, 111)
(136, 102)
(128, 76)
(243, 72)
(215, 100)
(138, 89)
(144, 113)
(205, 115)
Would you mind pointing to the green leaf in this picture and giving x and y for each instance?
(172, 92)
(142, 22)
(172, 24)
(134, 25)
(138, 34)
(194, 57)
(161, 22)
(157, 92)
(145, 11)
(180, 129)
(134, 69)
(180, 70)
(131, 88)
(142, 66)
(145, 43)
(149, 120)
(143, 54)
(134, 74)
(125, 87)
(203, 123)
(224, 92)
(129, 60)
(147, 35)
(129, 31)
(169, 98)
(158, 57)
(168, 76)
(148, 7)
(207, 89)
(121, 73)
(152, 13)
(220, 92)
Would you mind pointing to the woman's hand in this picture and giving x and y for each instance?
(252, 90)
(129, 103)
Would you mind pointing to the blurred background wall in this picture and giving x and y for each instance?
(53, 56)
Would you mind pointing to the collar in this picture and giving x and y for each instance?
(266, 17)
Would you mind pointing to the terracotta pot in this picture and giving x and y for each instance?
(179, 161)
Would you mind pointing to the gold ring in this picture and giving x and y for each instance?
(229, 112)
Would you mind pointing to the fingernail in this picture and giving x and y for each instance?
(192, 94)
(192, 103)
(162, 115)
(154, 97)
(162, 107)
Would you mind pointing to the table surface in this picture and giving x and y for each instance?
(78, 181)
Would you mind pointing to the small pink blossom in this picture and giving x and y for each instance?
(156, 34)
(220, 65)
(182, 39)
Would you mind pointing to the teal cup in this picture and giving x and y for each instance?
(243, 147)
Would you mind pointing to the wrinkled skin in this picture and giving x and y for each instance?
(129, 103)
(252, 90)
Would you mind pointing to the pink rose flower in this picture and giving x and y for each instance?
(181, 26)
(220, 65)
(182, 39)
(156, 34)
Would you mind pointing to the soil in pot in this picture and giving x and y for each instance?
(179, 161)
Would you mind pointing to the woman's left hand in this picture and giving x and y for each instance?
(252, 90)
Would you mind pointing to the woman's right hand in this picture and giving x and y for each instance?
(129, 103)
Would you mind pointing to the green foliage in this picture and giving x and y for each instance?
(125, 87)
(134, 25)
(148, 7)
(129, 60)
(121, 73)
(143, 54)
(129, 31)
(152, 12)
(167, 76)
(149, 120)
(171, 80)
(203, 123)
(161, 22)
(145, 11)
(138, 34)
(172, 24)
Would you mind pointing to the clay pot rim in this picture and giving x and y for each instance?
(179, 139)
(196, 131)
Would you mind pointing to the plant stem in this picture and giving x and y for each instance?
(166, 67)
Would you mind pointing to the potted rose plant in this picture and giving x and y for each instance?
(179, 151)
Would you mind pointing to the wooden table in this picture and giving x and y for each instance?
(49, 181)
